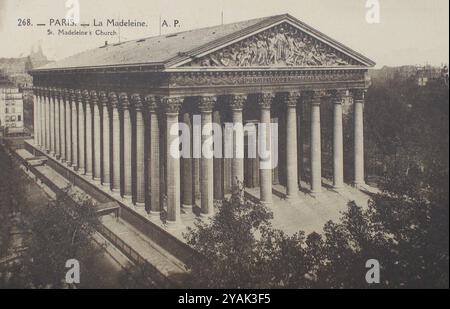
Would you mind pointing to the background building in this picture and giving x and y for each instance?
(11, 107)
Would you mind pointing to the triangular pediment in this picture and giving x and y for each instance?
(284, 44)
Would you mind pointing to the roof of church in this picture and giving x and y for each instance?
(167, 49)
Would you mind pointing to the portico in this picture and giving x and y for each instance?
(116, 122)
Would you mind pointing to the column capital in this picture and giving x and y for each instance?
(78, 96)
(113, 100)
(94, 97)
(358, 94)
(59, 93)
(337, 95)
(316, 96)
(85, 97)
(237, 101)
(171, 105)
(124, 102)
(73, 95)
(265, 99)
(291, 98)
(206, 103)
(103, 99)
(52, 92)
(137, 102)
(151, 102)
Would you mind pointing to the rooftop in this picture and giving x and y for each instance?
(168, 49)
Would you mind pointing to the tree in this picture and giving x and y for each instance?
(60, 230)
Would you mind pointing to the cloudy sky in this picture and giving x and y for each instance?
(409, 32)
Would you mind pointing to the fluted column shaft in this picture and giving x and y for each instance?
(291, 146)
(116, 176)
(154, 158)
(42, 119)
(62, 126)
(237, 164)
(57, 125)
(218, 164)
(47, 121)
(207, 165)
(81, 135)
(106, 158)
(74, 129)
(316, 163)
(358, 100)
(97, 144)
(127, 150)
(52, 123)
(172, 107)
(140, 151)
(338, 142)
(35, 118)
(88, 126)
(186, 184)
(265, 152)
(68, 124)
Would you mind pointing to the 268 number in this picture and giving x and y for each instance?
(21, 22)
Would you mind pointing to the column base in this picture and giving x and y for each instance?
(140, 205)
(115, 190)
(97, 180)
(291, 198)
(187, 207)
(203, 215)
(154, 214)
(81, 171)
(173, 225)
(127, 198)
(316, 192)
(106, 185)
(89, 174)
(359, 184)
(265, 203)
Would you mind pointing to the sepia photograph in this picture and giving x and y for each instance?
(224, 151)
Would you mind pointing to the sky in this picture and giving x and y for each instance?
(408, 32)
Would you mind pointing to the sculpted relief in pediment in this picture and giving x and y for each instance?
(281, 45)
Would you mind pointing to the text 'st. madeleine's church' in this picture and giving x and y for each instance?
(105, 113)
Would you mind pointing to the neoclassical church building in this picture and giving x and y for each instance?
(107, 113)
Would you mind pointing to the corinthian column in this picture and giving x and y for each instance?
(57, 124)
(74, 130)
(88, 126)
(358, 102)
(35, 117)
(338, 144)
(42, 118)
(172, 107)
(140, 150)
(291, 146)
(187, 185)
(62, 125)
(127, 150)
(81, 134)
(52, 121)
(106, 158)
(265, 150)
(316, 163)
(97, 144)
(237, 165)
(47, 120)
(206, 167)
(153, 201)
(68, 125)
(116, 176)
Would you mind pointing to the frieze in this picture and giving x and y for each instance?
(282, 45)
(188, 79)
